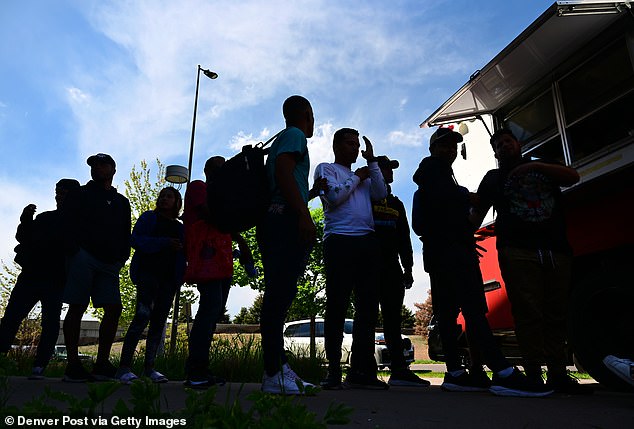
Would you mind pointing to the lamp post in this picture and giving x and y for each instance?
(210, 75)
(175, 175)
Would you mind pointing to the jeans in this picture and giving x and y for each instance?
(28, 290)
(537, 284)
(460, 287)
(352, 265)
(210, 308)
(284, 259)
(153, 302)
(391, 295)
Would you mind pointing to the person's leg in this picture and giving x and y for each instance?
(51, 298)
(468, 280)
(72, 328)
(558, 278)
(522, 274)
(209, 307)
(80, 273)
(106, 294)
(284, 260)
(163, 300)
(446, 310)
(20, 303)
(391, 295)
(108, 331)
(366, 262)
(339, 278)
(144, 304)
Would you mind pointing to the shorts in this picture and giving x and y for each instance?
(89, 278)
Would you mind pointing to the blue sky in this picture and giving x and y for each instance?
(86, 76)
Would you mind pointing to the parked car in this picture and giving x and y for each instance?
(60, 354)
(297, 341)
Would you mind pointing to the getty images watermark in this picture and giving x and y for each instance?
(135, 422)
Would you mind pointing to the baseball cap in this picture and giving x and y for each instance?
(385, 162)
(444, 134)
(68, 184)
(100, 157)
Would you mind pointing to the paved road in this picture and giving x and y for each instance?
(407, 408)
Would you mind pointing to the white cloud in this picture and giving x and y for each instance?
(400, 138)
(16, 197)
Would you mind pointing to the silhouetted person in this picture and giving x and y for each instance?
(392, 231)
(441, 219)
(285, 236)
(41, 279)
(210, 267)
(352, 258)
(157, 270)
(98, 222)
(534, 254)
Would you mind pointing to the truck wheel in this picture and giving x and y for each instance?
(601, 325)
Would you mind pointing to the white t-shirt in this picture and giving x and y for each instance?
(348, 202)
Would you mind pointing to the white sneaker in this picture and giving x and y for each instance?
(156, 376)
(623, 368)
(126, 377)
(280, 384)
(289, 373)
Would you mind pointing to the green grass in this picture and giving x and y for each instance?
(237, 358)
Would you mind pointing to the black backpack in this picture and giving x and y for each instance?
(239, 194)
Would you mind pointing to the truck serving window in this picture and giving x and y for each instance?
(598, 102)
(596, 105)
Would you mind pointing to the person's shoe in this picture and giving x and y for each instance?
(204, 383)
(332, 381)
(566, 383)
(155, 376)
(104, 371)
(479, 378)
(125, 376)
(356, 380)
(37, 373)
(464, 382)
(289, 373)
(405, 377)
(76, 373)
(622, 368)
(517, 384)
(279, 384)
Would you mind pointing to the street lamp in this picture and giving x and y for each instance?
(178, 175)
(210, 75)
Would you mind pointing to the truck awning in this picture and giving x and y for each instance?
(562, 29)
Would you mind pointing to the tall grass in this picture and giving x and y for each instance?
(234, 357)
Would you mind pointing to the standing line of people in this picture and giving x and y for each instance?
(367, 254)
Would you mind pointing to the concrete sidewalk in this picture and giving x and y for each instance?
(400, 407)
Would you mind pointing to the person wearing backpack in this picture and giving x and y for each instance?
(157, 270)
(209, 254)
(285, 236)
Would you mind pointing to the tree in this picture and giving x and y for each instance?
(250, 315)
(423, 316)
(310, 299)
(407, 318)
(8, 277)
(30, 328)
